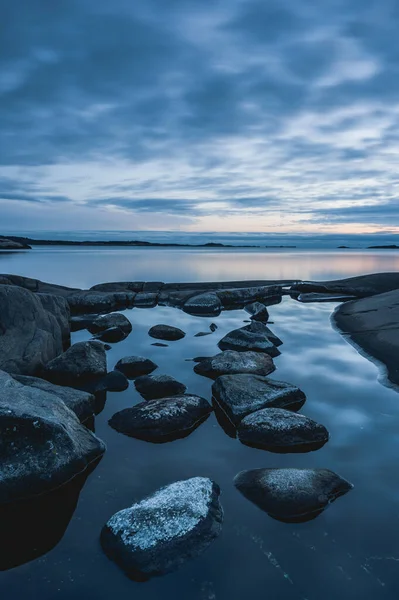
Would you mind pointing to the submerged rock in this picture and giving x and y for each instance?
(292, 495)
(255, 337)
(207, 304)
(114, 381)
(280, 430)
(166, 332)
(160, 533)
(104, 322)
(81, 364)
(258, 312)
(135, 366)
(162, 420)
(111, 335)
(203, 333)
(240, 395)
(213, 327)
(231, 362)
(152, 387)
(160, 345)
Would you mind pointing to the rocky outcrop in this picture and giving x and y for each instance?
(255, 337)
(361, 287)
(292, 495)
(207, 305)
(82, 364)
(166, 332)
(231, 362)
(59, 308)
(6, 244)
(86, 302)
(241, 297)
(152, 387)
(160, 533)
(135, 366)
(318, 297)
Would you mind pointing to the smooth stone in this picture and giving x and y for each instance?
(279, 430)
(207, 304)
(135, 366)
(109, 321)
(82, 363)
(255, 337)
(258, 312)
(231, 362)
(111, 335)
(162, 420)
(80, 322)
(213, 327)
(240, 395)
(160, 345)
(203, 333)
(152, 387)
(166, 332)
(146, 300)
(157, 535)
(241, 297)
(114, 381)
(292, 495)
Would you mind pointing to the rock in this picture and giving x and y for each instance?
(240, 395)
(146, 300)
(158, 534)
(134, 366)
(291, 495)
(280, 430)
(162, 420)
(114, 381)
(119, 286)
(42, 444)
(231, 362)
(152, 387)
(111, 320)
(80, 402)
(111, 335)
(80, 322)
(30, 335)
(166, 332)
(315, 297)
(203, 333)
(59, 308)
(258, 311)
(213, 327)
(83, 363)
(6, 244)
(243, 296)
(160, 345)
(255, 337)
(361, 287)
(207, 304)
(86, 302)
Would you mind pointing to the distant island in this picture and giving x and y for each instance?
(388, 247)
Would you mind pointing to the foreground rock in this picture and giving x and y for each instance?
(361, 287)
(82, 364)
(166, 332)
(207, 305)
(255, 337)
(240, 395)
(160, 533)
(6, 244)
(111, 335)
(316, 297)
(279, 430)
(30, 335)
(109, 321)
(373, 324)
(135, 366)
(231, 362)
(258, 312)
(162, 420)
(240, 297)
(43, 445)
(292, 495)
(86, 302)
(152, 387)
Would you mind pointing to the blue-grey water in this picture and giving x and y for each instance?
(349, 551)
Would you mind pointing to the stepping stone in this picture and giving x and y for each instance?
(135, 366)
(231, 362)
(255, 337)
(152, 387)
(166, 332)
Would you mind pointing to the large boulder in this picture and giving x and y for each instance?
(160, 533)
(258, 312)
(152, 387)
(255, 337)
(162, 420)
(135, 366)
(207, 304)
(104, 322)
(30, 335)
(42, 443)
(166, 332)
(231, 362)
(292, 495)
(59, 308)
(279, 430)
(82, 364)
(240, 395)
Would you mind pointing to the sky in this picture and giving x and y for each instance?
(276, 116)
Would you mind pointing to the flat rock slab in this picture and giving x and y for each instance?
(82, 363)
(104, 322)
(231, 362)
(135, 366)
(255, 337)
(166, 332)
(113, 335)
(258, 312)
(279, 430)
(160, 533)
(243, 296)
(152, 387)
(361, 287)
(207, 304)
(162, 420)
(240, 395)
(292, 495)
(317, 297)
(42, 445)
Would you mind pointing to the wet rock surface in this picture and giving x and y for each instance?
(258, 312)
(280, 430)
(291, 495)
(104, 322)
(152, 387)
(166, 332)
(231, 362)
(114, 381)
(160, 533)
(241, 297)
(83, 363)
(6, 244)
(135, 366)
(255, 337)
(207, 304)
(361, 287)
(112, 335)
(162, 420)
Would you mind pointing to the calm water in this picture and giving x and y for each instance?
(349, 551)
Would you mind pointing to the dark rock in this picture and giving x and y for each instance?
(162, 420)
(152, 387)
(213, 327)
(243, 296)
(361, 287)
(280, 430)
(42, 443)
(166, 332)
(80, 322)
(160, 533)
(255, 337)
(160, 345)
(86, 302)
(315, 297)
(153, 286)
(114, 381)
(292, 495)
(111, 320)
(240, 395)
(111, 335)
(207, 304)
(82, 363)
(6, 244)
(258, 311)
(119, 286)
(30, 335)
(107, 347)
(135, 366)
(146, 300)
(174, 298)
(203, 333)
(232, 363)
(59, 308)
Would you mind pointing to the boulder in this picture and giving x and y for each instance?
(162, 420)
(86, 302)
(6, 244)
(135, 366)
(119, 286)
(255, 337)
(58, 307)
(146, 300)
(241, 297)
(152, 387)
(111, 335)
(231, 362)
(292, 495)
(258, 312)
(30, 335)
(240, 395)
(280, 430)
(42, 443)
(361, 286)
(111, 320)
(166, 332)
(160, 533)
(207, 304)
(114, 381)
(79, 322)
(83, 363)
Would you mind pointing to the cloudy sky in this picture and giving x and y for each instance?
(194, 115)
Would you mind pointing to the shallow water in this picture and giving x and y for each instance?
(349, 551)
